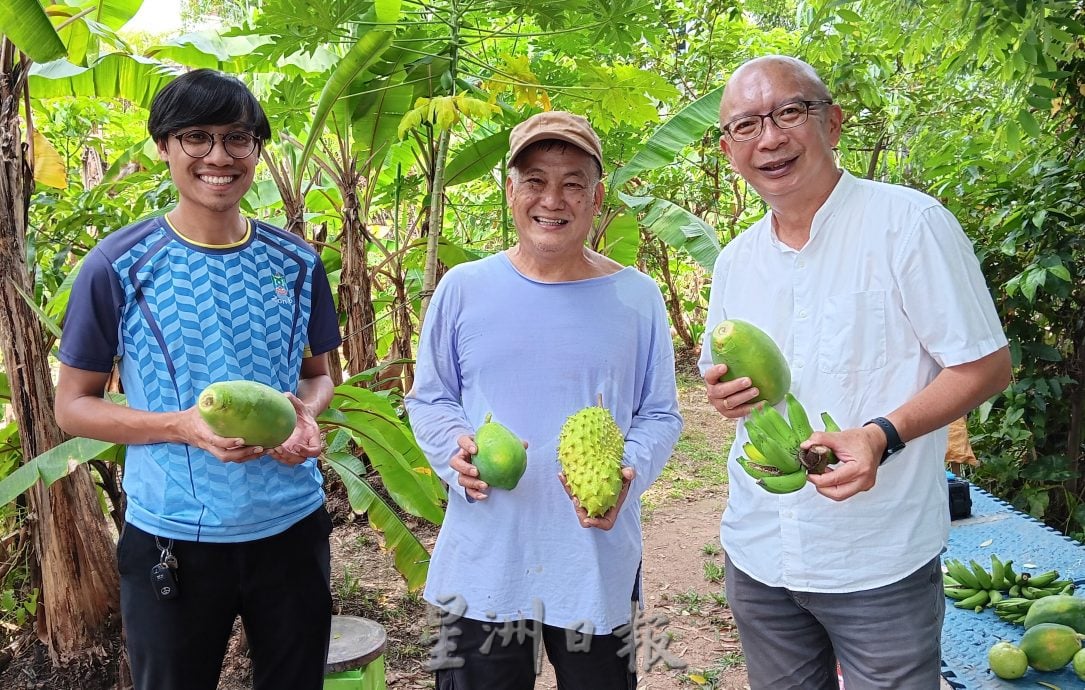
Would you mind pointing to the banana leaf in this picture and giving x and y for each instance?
(677, 227)
(378, 411)
(116, 13)
(116, 75)
(230, 54)
(360, 56)
(685, 127)
(411, 557)
(621, 239)
(25, 24)
(55, 463)
(477, 159)
(375, 115)
(407, 485)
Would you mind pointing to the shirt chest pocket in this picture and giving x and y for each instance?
(853, 336)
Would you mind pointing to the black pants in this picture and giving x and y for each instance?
(280, 586)
(606, 665)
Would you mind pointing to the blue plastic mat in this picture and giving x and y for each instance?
(996, 527)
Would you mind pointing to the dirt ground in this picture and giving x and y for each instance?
(686, 618)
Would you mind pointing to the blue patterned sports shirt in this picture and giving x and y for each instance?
(177, 316)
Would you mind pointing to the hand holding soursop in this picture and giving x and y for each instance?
(590, 450)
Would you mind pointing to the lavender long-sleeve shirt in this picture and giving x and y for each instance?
(534, 353)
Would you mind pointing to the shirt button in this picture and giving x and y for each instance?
(798, 364)
(802, 314)
(801, 263)
(787, 514)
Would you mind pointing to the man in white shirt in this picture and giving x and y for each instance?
(875, 296)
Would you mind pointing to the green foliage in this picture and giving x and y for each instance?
(368, 421)
(1031, 439)
(25, 24)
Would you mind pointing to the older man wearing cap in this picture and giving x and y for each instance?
(532, 335)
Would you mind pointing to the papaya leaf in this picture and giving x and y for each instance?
(667, 141)
(51, 465)
(24, 23)
(387, 11)
(410, 555)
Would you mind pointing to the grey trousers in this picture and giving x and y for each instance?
(886, 638)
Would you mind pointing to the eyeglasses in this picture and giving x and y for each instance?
(785, 116)
(198, 143)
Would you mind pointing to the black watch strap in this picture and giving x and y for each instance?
(893, 444)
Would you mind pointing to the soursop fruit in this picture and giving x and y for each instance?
(590, 449)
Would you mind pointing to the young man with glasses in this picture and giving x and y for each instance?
(875, 296)
(214, 528)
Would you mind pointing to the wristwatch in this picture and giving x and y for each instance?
(893, 444)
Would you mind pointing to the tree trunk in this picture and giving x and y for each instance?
(404, 331)
(433, 225)
(74, 553)
(674, 298)
(355, 288)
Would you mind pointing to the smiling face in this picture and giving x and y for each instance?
(213, 184)
(786, 166)
(554, 191)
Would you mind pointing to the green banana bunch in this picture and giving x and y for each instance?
(1013, 609)
(972, 586)
(773, 457)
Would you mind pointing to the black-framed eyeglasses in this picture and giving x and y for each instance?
(198, 143)
(785, 116)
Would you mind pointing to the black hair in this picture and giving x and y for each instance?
(206, 97)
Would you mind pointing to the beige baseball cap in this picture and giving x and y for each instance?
(556, 124)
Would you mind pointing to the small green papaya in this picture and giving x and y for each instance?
(1050, 646)
(749, 351)
(1059, 608)
(253, 411)
(501, 458)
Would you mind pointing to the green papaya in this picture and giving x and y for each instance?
(1050, 646)
(501, 458)
(1059, 608)
(253, 411)
(749, 351)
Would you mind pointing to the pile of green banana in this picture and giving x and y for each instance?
(972, 586)
(772, 455)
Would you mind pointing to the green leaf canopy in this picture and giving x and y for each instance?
(25, 24)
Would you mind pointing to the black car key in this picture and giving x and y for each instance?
(164, 582)
(164, 575)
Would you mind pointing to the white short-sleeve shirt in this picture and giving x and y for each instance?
(884, 295)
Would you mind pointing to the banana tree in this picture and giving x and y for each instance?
(74, 559)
